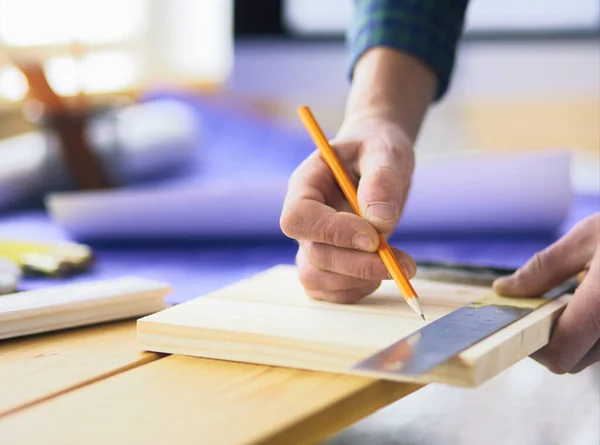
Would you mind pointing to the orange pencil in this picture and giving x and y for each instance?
(334, 164)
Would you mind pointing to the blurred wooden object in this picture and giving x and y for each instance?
(69, 124)
(535, 123)
(79, 304)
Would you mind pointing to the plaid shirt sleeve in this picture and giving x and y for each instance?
(427, 29)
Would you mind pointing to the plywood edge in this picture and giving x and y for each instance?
(514, 343)
(246, 348)
(266, 350)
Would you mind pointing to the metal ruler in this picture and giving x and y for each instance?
(450, 335)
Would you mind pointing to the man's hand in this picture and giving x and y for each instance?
(337, 258)
(575, 341)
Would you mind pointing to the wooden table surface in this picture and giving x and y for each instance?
(92, 385)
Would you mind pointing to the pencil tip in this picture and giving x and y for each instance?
(423, 317)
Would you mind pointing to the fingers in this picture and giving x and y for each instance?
(578, 328)
(555, 264)
(347, 296)
(306, 217)
(590, 358)
(337, 257)
(333, 287)
(306, 220)
(341, 275)
(352, 263)
(383, 186)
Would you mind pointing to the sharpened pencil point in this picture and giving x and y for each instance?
(423, 317)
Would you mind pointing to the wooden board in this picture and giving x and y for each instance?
(186, 400)
(79, 304)
(39, 367)
(268, 319)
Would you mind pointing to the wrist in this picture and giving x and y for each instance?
(393, 86)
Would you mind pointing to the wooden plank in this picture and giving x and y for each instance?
(38, 367)
(79, 304)
(269, 320)
(186, 400)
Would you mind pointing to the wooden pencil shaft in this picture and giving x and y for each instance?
(331, 159)
(349, 190)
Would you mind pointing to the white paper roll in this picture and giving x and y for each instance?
(477, 192)
(134, 143)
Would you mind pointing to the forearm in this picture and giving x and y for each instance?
(401, 57)
(392, 85)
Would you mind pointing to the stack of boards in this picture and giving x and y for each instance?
(268, 319)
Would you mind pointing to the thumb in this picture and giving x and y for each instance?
(553, 265)
(382, 188)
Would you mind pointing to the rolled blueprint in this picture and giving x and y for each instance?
(481, 192)
(134, 143)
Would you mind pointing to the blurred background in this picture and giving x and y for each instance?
(521, 66)
(232, 73)
(526, 77)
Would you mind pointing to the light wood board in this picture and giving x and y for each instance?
(268, 319)
(79, 304)
(36, 368)
(186, 400)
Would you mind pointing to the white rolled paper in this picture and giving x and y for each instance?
(134, 143)
(523, 191)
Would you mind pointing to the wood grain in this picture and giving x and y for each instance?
(269, 320)
(38, 367)
(186, 400)
(79, 304)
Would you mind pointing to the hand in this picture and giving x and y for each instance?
(337, 257)
(575, 340)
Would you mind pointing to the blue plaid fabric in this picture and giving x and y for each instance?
(426, 29)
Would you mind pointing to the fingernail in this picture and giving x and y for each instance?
(381, 211)
(362, 241)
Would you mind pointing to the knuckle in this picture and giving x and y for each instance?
(538, 263)
(388, 182)
(365, 270)
(329, 232)
(318, 255)
(526, 277)
(291, 222)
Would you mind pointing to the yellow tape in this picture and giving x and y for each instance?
(48, 258)
(494, 299)
(497, 300)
